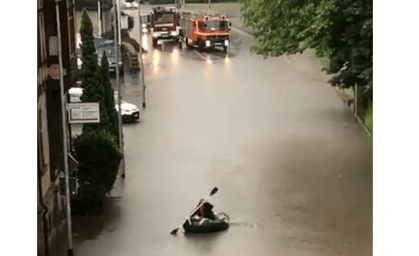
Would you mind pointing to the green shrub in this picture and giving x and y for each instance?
(98, 157)
(370, 119)
(89, 200)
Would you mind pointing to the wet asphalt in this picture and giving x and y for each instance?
(294, 170)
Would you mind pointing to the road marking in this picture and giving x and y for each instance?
(203, 57)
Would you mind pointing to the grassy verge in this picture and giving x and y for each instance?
(370, 120)
(349, 93)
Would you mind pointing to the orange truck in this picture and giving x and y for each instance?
(204, 31)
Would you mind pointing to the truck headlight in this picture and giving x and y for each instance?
(208, 43)
(143, 25)
(226, 42)
(120, 63)
(155, 34)
(173, 33)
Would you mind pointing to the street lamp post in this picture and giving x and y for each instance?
(116, 45)
(64, 130)
(99, 17)
(141, 52)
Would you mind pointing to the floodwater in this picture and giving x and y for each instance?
(294, 170)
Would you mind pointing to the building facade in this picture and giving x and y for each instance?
(51, 203)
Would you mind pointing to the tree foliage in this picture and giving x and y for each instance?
(98, 159)
(338, 29)
(97, 87)
(89, 57)
(108, 98)
(96, 148)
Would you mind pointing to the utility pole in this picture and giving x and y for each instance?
(64, 130)
(99, 17)
(209, 4)
(116, 45)
(356, 100)
(141, 51)
(119, 23)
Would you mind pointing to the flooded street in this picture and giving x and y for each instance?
(293, 169)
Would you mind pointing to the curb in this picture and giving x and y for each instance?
(344, 98)
(243, 31)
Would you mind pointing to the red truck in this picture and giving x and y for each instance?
(164, 25)
(205, 31)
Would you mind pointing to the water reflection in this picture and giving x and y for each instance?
(144, 42)
(208, 72)
(227, 65)
(175, 57)
(204, 244)
(156, 61)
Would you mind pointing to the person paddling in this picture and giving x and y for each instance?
(205, 211)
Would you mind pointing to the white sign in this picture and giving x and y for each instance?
(82, 113)
(53, 45)
(124, 22)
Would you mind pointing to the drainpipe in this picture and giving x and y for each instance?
(40, 198)
(44, 210)
(64, 131)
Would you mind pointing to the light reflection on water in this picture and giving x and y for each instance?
(175, 57)
(156, 61)
(227, 65)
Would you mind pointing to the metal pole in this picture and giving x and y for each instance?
(356, 100)
(64, 129)
(141, 52)
(99, 17)
(119, 22)
(121, 144)
(209, 4)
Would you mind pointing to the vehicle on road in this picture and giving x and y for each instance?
(104, 45)
(204, 30)
(164, 25)
(145, 22)
(130, 112)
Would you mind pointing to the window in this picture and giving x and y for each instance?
(165, 17)
(215, 25)
(42, 37)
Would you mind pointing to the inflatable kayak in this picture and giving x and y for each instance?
(203, 225)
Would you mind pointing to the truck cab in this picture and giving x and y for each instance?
(164, 25)
(205, 31)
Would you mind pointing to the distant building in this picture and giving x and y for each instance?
(91, 7)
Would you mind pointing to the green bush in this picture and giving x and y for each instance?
(89, 200)
(370, 119)
(98, 158)
(191, 1)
